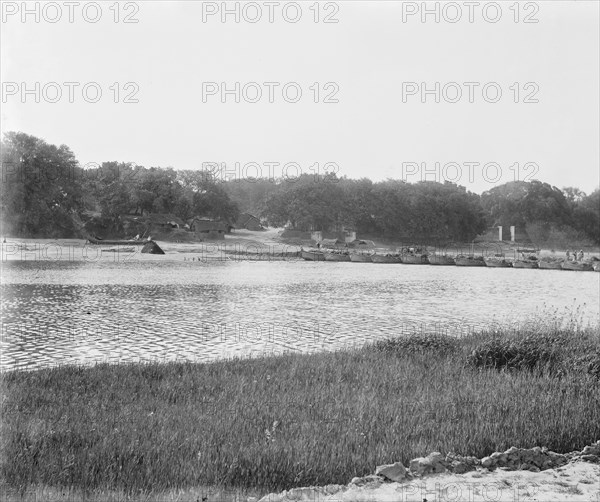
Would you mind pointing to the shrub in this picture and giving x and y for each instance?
(556, 352)
(511, 353)
(418, 343)
(586, 363)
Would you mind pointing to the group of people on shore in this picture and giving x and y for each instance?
(575, 256)
(411, 250)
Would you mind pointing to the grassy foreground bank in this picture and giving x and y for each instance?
(297, 420)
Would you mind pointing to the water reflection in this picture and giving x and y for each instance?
(67, 312)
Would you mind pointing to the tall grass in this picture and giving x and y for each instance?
(297, 420)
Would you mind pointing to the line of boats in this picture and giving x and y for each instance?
(460, 260)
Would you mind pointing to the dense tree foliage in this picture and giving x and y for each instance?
(206, 196)
(544, 210)
(392, 208)
(519, 202)
(45, 192)
(251, 195)
(40, 187)
(585, 212)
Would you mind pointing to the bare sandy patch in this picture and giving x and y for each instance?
(576, 481)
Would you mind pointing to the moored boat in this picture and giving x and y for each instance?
(120, 250)
(102, 242)
(577, 265)
(494, 261)
(469, 261)
(550, 265)
(525, 264)
(414, 259)
(337, 257)
(313, 255)
(440, 260)
(361, 258)
(380, 258)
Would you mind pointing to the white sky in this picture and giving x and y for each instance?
(369, 53)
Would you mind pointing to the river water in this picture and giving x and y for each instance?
(148, 307)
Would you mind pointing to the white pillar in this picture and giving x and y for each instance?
(500, 233)
(512, 233)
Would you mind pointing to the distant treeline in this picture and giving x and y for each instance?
(45, 192)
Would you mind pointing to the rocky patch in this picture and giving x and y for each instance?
(523, 459)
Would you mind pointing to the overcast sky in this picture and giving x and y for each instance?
(364, 62)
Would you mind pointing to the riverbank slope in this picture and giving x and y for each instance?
(271, 424)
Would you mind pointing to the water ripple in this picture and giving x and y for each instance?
(81, 313)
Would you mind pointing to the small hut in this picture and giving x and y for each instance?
(208, 229)
(160, 220)
(248, 222)
(333, 243)
(361, 244)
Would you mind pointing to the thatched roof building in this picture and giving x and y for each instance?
(209, 229)
(333, 243)
(165, 220)
(361, 244)
(248, 222)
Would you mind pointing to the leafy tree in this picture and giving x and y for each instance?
(520, 202)
(41, 187)
(358, 202)
(573, 195)
(208, 197)
(308, 203)
(250, 195)
(586, 215)
(45, 192)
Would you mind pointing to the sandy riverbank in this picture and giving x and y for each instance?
(574, 482)
(513, 475)
(270, 242)
(249, 243)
